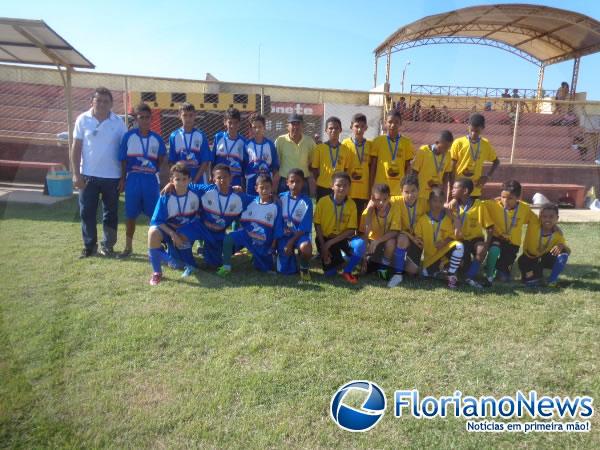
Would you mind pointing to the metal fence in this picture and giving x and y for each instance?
(33, 113)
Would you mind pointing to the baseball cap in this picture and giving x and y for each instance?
(295, 118)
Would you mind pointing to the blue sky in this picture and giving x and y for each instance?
(304, 43)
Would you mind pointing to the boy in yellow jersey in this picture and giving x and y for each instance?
(473, 217)
(335, 225)
(391, 154)
(506, 219)
(380, 223)
(409, 247)
(439, 232)
(330, 157)
(433, 165)
(359, 171)
(544, 248)
(469, 152)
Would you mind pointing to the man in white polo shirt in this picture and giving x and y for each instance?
(97, 171)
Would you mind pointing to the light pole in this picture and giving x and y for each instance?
(403, 75)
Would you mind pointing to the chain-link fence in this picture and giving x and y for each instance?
(33, 118)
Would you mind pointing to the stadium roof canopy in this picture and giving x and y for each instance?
(539, 34)
(33, 42)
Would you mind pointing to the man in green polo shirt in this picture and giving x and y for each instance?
(295, 151)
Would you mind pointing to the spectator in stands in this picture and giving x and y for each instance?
(506, 105)
(97, 171)
(513, 105)
(562, 93)
(487, 106)
(415, 111)
(401, 106)
(295, 151)
(445, 116)
(568, 120)
(431, 115)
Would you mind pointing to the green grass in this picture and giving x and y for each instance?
(91, 356)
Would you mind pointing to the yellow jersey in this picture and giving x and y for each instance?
(470, 157)
(537, 244)
(335, 219)
(431, 230)
(391, 155)
(379, 226)
(473, 216)
(509, 223)
(410, 214)
(329, 160)
(359, 169)
(431, 168)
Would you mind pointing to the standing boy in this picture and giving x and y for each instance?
(330, 157)
(261, 155)
(335, 225)
(433, 165)
(391, 154)
(189, 144)
(360, 147)
(142, 152)
(228, 147)
(469, 152)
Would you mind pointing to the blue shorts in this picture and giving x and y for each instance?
(262, 258)
(213, 242)
(288, 265)
(141, 194)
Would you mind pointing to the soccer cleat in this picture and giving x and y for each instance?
(452, 281)
(156, 278)
(125, 253)
(305, 276)
(87, 252)
(107, 252)
(352, 279)
(188, 270)
(395, 280)
(532, 282)
(383, 274)
(488, 281)
(223, 271)
(474, 284)
(552, 284)
(502, 276)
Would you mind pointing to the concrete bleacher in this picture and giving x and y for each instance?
(537, 139)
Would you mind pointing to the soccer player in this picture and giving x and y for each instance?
(473, 216)
(469, 152)
(380, 224)
(261, 226)
(173, 212)
(409, 247)
(391, 154)
(219, 207)
(141, 153)
(297, 211)
(228, 147)
(360, 189)
(439, 231)
(261, 155)
(335, 225)
(188, 144)
(330, 157)
(433, 165)
(544, 248)
(506, 219)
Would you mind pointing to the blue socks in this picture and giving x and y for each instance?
(558, 267)
(358, 251)
(473, 269)
(399, 259)
(156, 256)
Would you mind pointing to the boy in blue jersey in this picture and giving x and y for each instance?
(261, 155)
(297, 212)
(141, 153)
(219, 207)
(173, 212)
(190, 145)
(261, 226)
(228, 147)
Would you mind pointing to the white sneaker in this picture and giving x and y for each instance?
(473, 283)
(395, 280)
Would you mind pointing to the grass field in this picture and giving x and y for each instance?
(91, 356)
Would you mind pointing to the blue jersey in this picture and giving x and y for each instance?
(218, 210)
(261, 158)
(297, 214)
(192, 148)
(175, 210)
(141, 153)
(231, 153)
(262, 222)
